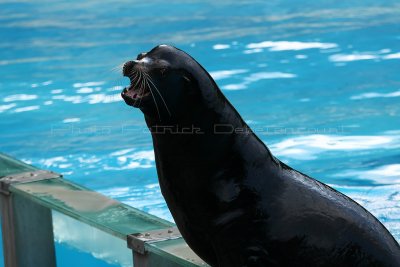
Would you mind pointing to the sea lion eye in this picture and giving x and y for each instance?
(141, 56)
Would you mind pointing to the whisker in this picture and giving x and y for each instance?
(139, 84)
(134, 77)
(117, 68)
(133, 71)
(141, 88)
(151, 92)
(155, 87)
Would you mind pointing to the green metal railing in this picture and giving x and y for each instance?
(29, 195)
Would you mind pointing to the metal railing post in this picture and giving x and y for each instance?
(141, 257)
(27, 227)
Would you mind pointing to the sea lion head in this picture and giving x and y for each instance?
(165, 83)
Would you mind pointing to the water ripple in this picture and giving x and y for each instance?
(386, 174)
(19, 97)
(376, 95)
(308, 147)
(69, 120)
(221, 46)
(88, 84)
(286, 45)
(24, 109)
(6, 107)
(392, 56)
(257, 76)
(381, 201)
(351, 57)
(224, 74)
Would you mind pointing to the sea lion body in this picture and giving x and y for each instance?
(233, 201)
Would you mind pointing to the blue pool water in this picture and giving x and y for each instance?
(318, 81)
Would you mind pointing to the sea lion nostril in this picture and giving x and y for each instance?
(141, 55)
(127, 68)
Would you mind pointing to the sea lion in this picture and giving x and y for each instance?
(233, 201)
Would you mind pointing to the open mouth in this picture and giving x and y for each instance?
(137, 92)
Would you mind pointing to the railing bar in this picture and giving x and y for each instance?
(86, 220)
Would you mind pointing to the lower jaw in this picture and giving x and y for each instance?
(135, 102)
(132, 102)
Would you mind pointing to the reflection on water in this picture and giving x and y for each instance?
(376, 95)
(317, 81)
(307, 147)
(286, 45)
(101, 245)
(385, 174)
(19, 97)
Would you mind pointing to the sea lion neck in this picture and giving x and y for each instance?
(208, 130)
(203, 117)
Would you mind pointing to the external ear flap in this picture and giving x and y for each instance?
(190, 84)
(186, 78)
